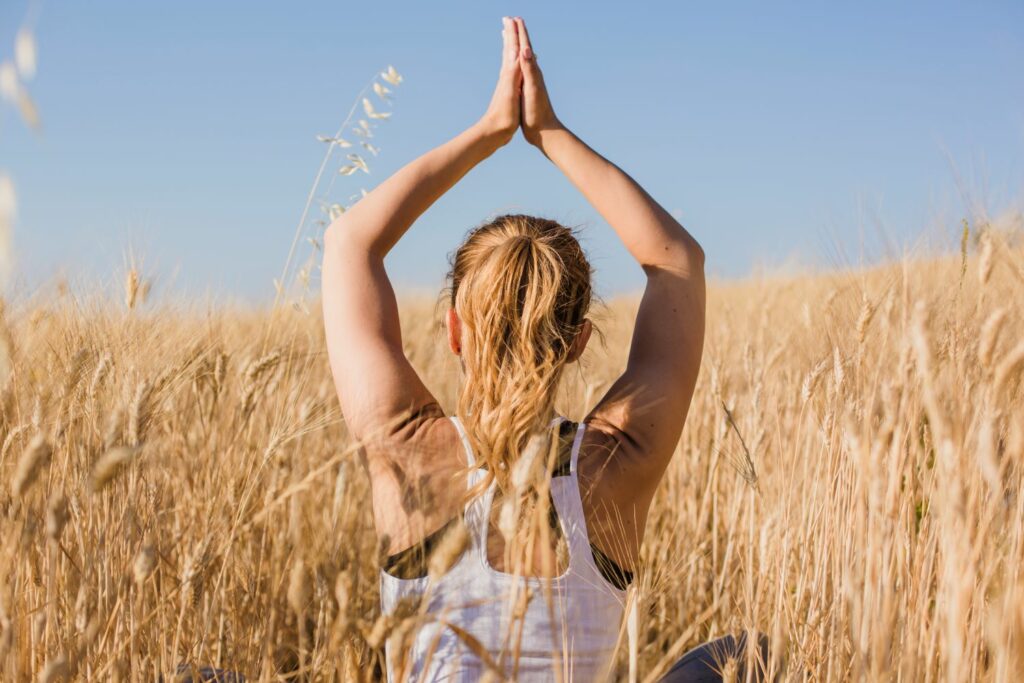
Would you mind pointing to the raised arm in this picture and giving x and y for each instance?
(377, 386)
(646, 407)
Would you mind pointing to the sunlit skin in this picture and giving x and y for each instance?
(634, 428)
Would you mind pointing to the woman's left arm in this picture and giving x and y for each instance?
(378, 388)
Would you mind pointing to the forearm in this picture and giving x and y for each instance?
(377, 221)
(648, 231)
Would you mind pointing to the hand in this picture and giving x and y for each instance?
(537, 113)
(502, 116)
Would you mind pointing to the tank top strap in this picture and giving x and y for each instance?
(574, 455)
(568, 500)
(474, 508)
(470, 459)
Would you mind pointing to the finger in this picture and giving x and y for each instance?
(531, 78)
(511, 35)
(525, 48)
(529, 68)
(506, 40)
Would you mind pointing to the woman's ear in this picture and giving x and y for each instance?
(454, 326)
(580, 342)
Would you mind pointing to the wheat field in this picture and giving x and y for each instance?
(178, 485)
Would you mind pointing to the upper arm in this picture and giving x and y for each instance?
(644, 410)
(377, 386)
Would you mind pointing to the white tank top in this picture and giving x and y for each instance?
(570, 637)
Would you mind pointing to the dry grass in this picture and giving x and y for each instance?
(178, 486)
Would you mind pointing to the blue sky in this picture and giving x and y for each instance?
(780, 133)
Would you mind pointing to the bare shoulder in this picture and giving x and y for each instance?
(605, 458)
(423, 441)
(417, 476)
(615, 502)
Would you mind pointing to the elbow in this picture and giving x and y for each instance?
(342, 234)
(699, 261)
(685, 257)
(695, 254)
(690, 257)
(686, 250)
(335, 232)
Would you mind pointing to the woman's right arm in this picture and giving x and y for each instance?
(646, 407)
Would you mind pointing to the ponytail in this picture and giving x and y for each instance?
(521, 288)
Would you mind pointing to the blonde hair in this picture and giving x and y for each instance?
(521, 286)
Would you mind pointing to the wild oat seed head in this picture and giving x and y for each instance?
(145, 564)
(987, 259)
(33, 461)
(989, 336)
(300, 587)
(448, 551)
(131, 288)
(110, 465)
(1009, 369)
(99, 376)
(56, 515)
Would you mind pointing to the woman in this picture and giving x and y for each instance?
(517, 564)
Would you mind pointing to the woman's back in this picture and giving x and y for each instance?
(532, 628)
(520, 289)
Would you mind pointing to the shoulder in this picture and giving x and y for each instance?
(614, 495)
(612, 465)
(407, 441)
(417, 477)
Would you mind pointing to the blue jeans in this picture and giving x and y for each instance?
(704, 663)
